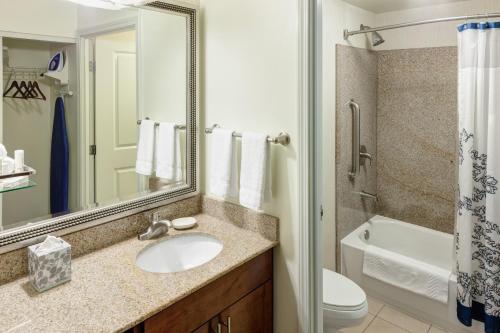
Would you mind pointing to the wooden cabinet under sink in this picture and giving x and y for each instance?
(241, 301)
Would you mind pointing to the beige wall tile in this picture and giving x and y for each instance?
(402, 320)
(381, 326)
(356, 79)
(416, 135)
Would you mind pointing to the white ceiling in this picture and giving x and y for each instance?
(382, 6)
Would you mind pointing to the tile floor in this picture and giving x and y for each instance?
(383, 318)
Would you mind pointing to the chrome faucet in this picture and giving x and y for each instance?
(367, 195)
(367, 156)
(156, 229)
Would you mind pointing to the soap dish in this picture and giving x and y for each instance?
(184, 223)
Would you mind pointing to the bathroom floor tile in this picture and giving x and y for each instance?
(435, 329)
(381, 326)
(374, 305)
(402, 320)
(361, 327)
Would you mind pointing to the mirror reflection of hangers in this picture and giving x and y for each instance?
(31, 93)
(38, 91)
(23, 90)
(13, 85)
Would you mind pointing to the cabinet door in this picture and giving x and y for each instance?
(206, 303)
(210, 327)
(253, 313)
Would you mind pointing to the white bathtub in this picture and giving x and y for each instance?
(430, 246)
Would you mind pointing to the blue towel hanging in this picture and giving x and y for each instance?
(59, 162)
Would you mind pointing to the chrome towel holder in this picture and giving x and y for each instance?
(283, 138)
(181, 127)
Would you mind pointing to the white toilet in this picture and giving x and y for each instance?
(344, 302)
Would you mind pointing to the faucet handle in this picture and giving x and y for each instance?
(367, 156)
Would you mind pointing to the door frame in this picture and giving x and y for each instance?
(310, 298)
(87, 102)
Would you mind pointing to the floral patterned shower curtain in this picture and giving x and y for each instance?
(478, 208)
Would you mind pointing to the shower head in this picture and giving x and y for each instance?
(376, 38)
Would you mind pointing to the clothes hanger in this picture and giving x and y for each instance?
(8, 81)
(23, 89)
(36, 87)
(16, 86)
(13, 85)
(31, 92)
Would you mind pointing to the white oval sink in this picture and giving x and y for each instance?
(179, 253)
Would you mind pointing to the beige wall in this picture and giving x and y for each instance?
(44, 17)
(163, 65)
(432, 35)
(250, 83)
(27, 125)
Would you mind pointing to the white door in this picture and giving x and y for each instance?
(115, 115)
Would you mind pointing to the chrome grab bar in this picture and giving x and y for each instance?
(356, 133)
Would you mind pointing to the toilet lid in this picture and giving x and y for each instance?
(340, 292)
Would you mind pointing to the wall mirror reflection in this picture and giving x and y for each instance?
(94, 107)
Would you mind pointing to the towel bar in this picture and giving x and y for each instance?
(181, 127)
(283, 138)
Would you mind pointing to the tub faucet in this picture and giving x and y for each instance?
(367, 195)
(156, 229)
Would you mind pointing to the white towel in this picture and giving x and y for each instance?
(168, 153)
(406, 273)
(224, 165)
(145, 148)
(255, 177)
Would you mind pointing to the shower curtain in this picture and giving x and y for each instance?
(478, 206)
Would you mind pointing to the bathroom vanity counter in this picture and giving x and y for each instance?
(110, 293)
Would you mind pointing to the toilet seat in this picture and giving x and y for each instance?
(344, 302)
(341, 294)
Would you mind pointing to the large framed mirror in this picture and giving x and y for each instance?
(99, 112)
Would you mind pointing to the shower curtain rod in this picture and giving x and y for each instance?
(348, 33)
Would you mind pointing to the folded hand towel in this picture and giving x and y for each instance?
(406, 273)
(255, 177)
(168, 153)
(145, 148)
(224, 165)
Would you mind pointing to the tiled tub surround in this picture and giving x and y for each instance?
(109, 293)
(416, 136)
(408, 101)
(356, 79)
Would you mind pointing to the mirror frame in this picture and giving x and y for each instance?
(27, 235)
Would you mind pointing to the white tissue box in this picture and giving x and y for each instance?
(49, 267)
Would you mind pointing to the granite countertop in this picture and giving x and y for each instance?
(109, 293)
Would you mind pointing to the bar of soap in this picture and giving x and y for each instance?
(184, 223)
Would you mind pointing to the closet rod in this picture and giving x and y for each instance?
(283, 138)
(25, 70)
(181, 127)
(348, 33)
